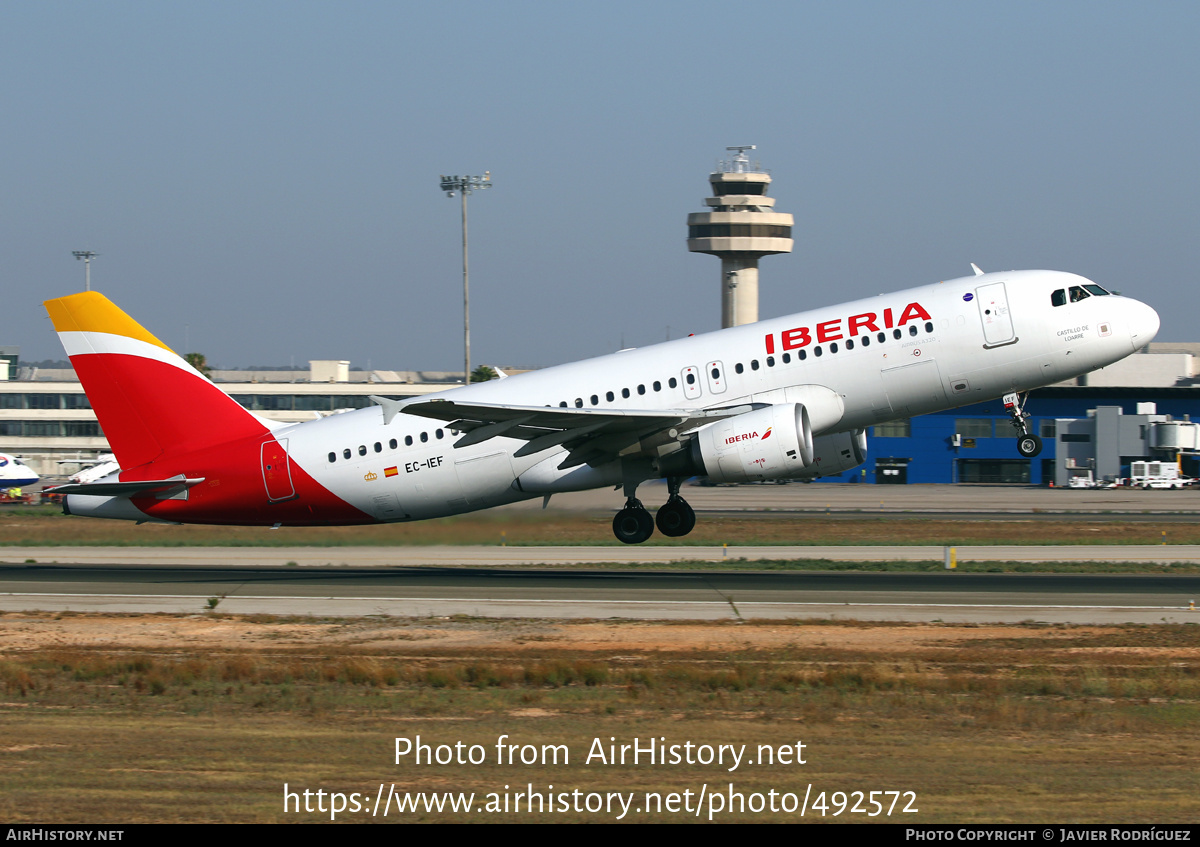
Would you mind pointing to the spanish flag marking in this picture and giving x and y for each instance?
(390, 471)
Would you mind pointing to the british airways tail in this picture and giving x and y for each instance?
(149, 401)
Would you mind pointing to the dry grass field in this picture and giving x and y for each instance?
(38, 527)
(205, 718)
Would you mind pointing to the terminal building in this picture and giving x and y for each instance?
(1140, 408)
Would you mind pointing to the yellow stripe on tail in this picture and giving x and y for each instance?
(91, 311)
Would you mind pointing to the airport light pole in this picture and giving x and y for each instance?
(464, 185)
(87, 256)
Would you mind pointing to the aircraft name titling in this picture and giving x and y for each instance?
(826, 331)
(746, 436)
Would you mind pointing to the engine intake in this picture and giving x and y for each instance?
(835, 453)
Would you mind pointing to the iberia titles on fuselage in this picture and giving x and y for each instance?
(784, 398)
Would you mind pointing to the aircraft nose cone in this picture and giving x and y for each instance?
(1143, 324)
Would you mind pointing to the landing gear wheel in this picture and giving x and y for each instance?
(675, 518)
(1029, 445)
(633, 524)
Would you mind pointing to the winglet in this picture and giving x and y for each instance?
(975, 268)
(390, 407)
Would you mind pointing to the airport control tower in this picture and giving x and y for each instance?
(740, 228)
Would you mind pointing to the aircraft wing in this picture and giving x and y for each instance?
(592, 436)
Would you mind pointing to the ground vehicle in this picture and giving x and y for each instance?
(1148, 475)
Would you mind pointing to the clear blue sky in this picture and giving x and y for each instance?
(261, 177)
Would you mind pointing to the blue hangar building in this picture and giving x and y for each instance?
(1102, 421)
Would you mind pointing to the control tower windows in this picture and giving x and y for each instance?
(721, 189)
(739, 231)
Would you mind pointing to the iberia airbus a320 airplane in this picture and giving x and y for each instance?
(785, 398)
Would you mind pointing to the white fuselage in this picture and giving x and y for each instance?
(936, 347)
(14, 473)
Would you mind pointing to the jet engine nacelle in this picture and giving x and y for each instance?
(836, 453)
(771, 443)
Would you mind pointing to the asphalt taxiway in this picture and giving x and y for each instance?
(439, 591)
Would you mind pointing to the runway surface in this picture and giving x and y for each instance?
(490, 556)
(589, 593)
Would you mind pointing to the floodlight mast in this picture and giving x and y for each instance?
(464, 185)
(87, 256)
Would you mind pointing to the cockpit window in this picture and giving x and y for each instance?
(1077, 293)
(1059, 298)
(1097, 290)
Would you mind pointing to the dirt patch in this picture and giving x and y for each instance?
(35, 631)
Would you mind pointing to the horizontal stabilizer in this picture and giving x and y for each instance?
(142, 488)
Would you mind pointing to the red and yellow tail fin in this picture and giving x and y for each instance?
(149, 401)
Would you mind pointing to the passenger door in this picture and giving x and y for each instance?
(994, 313)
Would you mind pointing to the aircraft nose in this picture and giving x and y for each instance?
(1143, 324)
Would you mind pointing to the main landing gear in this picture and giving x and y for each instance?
(1028, 444)
(634, 524)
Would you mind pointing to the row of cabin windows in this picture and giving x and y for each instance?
(348, 453)
(657, 385)
(641, 389)
(1076, 293)
(801, 355)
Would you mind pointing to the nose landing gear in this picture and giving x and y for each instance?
(1028, 444)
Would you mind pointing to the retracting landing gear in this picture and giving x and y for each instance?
(633, 524)
(1028, 444)
(675, 518)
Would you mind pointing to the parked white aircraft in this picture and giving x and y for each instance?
(14, 473)
(783, 398)
(106, 463)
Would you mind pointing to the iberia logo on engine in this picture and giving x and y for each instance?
(746, 436)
